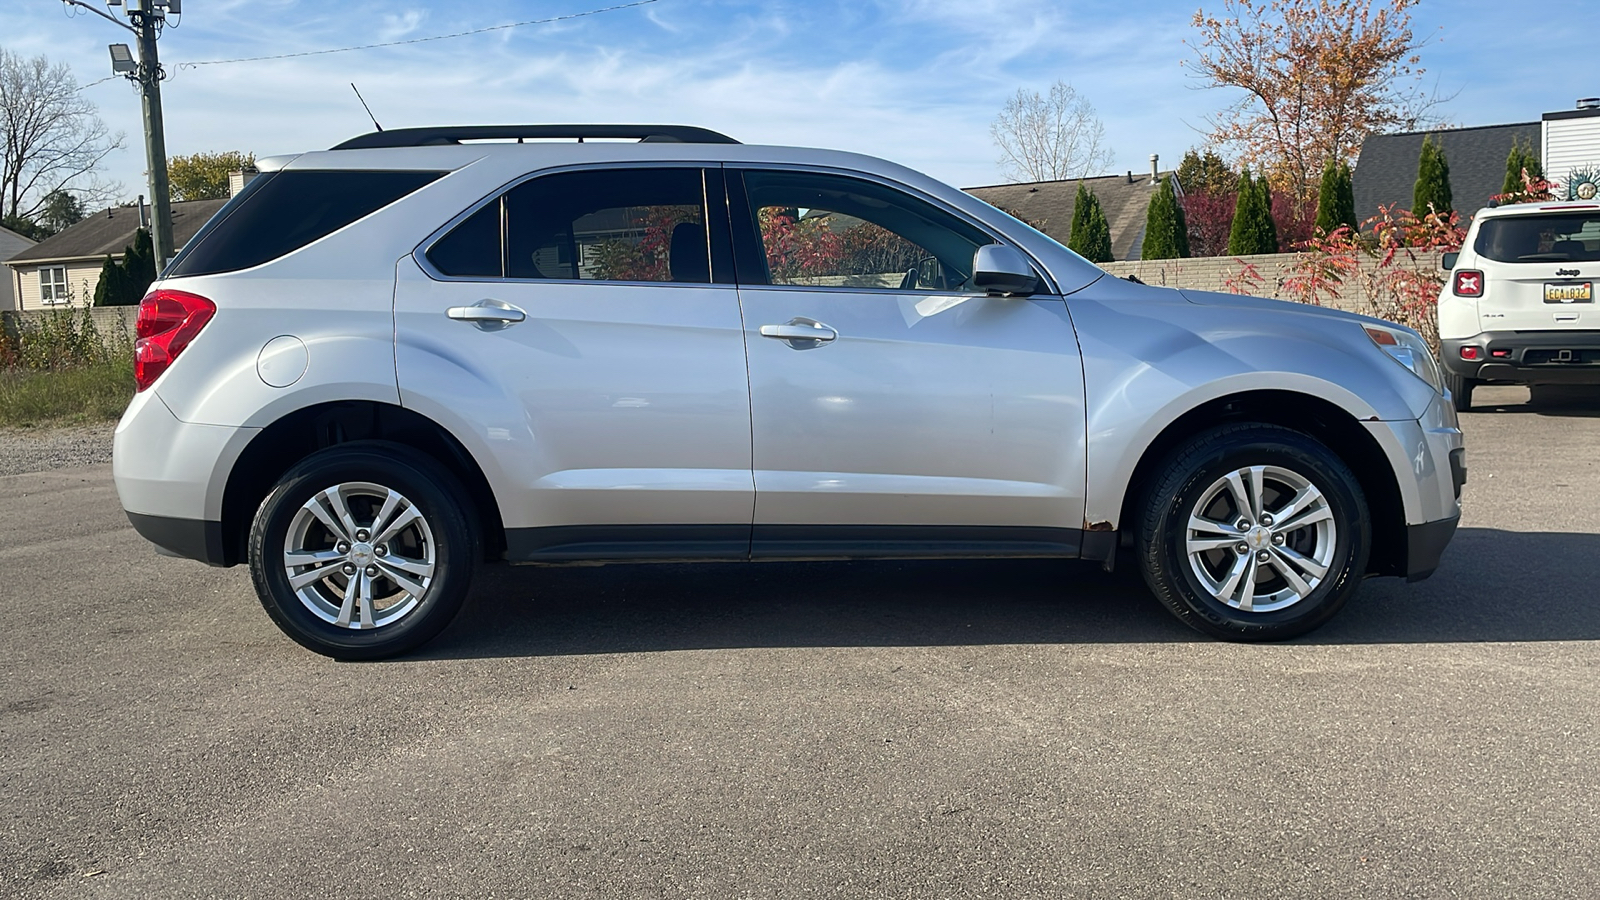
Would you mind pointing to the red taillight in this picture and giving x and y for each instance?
(168, 321)
(1469, 352)
(1467, 283)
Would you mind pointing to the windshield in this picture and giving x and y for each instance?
(1557, 237)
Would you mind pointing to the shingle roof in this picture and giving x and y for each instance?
(112, 230)
(1048, 205)
(1386, 171)
(8, 233)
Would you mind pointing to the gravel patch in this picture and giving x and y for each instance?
(24, 450)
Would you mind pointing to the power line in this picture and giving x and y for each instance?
(439, 37)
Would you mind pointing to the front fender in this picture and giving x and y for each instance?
(1150, 357)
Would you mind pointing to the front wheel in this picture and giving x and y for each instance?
(363, 551)
(1254, 532)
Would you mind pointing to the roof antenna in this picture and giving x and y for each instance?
(366, 107)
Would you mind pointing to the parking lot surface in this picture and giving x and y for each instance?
(929, 730)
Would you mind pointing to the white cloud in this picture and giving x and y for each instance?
(917, 81)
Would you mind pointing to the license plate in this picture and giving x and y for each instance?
(1569, 293)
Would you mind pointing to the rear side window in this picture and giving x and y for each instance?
(284, 211)
(1558, 237)
(646, 224)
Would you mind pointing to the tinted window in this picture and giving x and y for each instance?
(1569, 237)
(831, 231)
(620, 225)
(599, 225)
(472, 249)
(287, 211)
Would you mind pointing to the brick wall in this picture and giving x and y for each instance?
(1210, 273)
(107, 319)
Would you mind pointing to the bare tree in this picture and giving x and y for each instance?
(1050, 138)
(51, 139)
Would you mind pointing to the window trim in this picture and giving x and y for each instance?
(739, 209)
(54, 299)
(722, 270)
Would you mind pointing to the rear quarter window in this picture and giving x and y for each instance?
(280, 212)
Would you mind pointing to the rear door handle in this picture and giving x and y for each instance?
(800, 333)
(487, 315)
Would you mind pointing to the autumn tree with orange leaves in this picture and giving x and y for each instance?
(1318, 76)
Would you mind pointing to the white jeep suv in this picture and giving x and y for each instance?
(1519, 306)
(382, 365)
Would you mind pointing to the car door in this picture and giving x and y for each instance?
(895, 411)
(573, 328)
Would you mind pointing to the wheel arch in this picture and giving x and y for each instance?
(1321, 419)
(294, 436)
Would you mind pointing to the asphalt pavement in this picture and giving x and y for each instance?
(926, 730)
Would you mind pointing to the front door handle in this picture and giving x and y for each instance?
(800, 333)
(487, 315)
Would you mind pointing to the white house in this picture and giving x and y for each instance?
(64, 269)
(11, 244)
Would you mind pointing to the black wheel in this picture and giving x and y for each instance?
(364, 550)
(1460, 388)
(1254, 533)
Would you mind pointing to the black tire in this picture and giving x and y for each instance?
(1192, 473)
(1460, 388)
(446, 531)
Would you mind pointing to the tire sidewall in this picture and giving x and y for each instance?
(428, 487)
(1352, 544)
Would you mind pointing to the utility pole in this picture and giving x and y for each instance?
(145, 21)
(147, 17)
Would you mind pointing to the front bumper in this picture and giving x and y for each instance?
(1526, 357)
(1425, 545)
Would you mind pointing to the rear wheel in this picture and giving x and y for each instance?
(1254, 532)
(1460, 388)
(363, 551)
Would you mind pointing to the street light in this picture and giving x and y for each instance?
(145, 20)
(122, 60)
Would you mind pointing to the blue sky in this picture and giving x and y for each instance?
(916, 81)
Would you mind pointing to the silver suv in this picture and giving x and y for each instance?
(384, 364)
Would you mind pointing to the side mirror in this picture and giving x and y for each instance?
(1448, 261)
(998, 269)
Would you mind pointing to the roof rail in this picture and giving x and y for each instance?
(455, 134)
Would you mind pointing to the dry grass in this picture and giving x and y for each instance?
(80, 395)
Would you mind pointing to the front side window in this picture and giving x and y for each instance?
(644, 224)
(53, 285)
(833, 231)
(1558, 237)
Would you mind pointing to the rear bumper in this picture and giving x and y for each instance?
(188, 538)
(1425, 544)
(1526, 357)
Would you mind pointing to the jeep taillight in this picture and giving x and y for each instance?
(168, 321)
(1467, 283)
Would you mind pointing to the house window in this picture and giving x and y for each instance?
(53, 285)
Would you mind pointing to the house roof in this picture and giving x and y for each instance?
(1048, 206)
(8, 233)
(111, 231)
(12, 243)
(1386, 171)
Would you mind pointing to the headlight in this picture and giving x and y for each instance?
(1408, 350)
